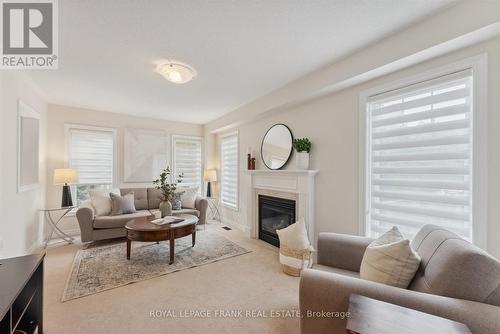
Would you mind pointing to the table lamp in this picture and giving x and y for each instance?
(65, 177)
(209, 176)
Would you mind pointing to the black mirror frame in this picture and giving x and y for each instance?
(262, 144)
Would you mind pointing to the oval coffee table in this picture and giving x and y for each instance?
(141, 229)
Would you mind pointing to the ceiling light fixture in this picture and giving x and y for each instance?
(176, 72)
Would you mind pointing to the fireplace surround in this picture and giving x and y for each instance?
(297, 185)
(274, 213)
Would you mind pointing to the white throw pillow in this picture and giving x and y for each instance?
(101, 201)
(188, 198)
(294, 237)
(390, 260)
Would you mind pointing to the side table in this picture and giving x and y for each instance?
(371, 316)
(213, 205)
(54, 224)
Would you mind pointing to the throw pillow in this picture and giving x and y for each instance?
(176, 200)
(121, 205)
(295, 236)
(188, 198)
(390, 260)
(295, 248)
(101, 201)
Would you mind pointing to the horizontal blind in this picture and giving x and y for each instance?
(91, 154)
(188, 161)
(229, 171)
(419, 157)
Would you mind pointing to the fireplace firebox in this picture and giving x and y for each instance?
(274, 214)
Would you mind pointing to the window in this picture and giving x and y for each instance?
(229, 170)
(91, 153)
(188, 160)
(419, 163)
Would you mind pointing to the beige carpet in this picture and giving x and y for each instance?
(252, 283)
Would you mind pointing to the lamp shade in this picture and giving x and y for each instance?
(210, 175)
(65, 176)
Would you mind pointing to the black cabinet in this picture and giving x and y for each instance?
(21, 294)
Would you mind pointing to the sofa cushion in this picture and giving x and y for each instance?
(140, 197)
(390, 260)
(188, 198)
(122, 204)
(176, 200)
(154, 198)
(118, 221)
(101, 200)
(453, 267)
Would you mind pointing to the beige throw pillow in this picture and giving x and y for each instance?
(101, 201)
(188, 198)
(294, 238)
(390, 260)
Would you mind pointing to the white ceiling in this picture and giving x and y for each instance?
(241, 49)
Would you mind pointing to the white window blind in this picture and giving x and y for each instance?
(188, 160)
(419, 157)
(91, 154)
(229, 171)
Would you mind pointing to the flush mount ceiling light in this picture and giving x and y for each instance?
(176, 72)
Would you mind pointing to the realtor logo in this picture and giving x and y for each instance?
(29, 34)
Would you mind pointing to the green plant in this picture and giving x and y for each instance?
(302, 144)
(163, 183)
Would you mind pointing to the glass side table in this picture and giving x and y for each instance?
(213, 205)
(54, 228)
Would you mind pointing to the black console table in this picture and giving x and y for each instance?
(21, 294)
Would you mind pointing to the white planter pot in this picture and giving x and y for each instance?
(302, 160)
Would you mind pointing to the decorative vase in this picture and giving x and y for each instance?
(165, 208)
(302, 160)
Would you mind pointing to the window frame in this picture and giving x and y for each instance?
(222, 203)
(478, 65)
(172, 162)
(67, 138)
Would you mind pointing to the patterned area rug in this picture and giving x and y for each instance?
(103, 266)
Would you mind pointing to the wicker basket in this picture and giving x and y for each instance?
(304, 255)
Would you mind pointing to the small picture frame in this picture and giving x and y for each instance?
(28, 147)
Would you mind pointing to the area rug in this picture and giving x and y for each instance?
(99, 267)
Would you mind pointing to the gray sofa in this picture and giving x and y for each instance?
(147, 202)
(456, 280)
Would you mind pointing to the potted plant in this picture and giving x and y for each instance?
(167, 190)
(302, 146)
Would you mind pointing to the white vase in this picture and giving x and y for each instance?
(302, 160)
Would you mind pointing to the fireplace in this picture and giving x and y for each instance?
(274, 214)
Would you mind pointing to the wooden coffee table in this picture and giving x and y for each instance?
(141, 229)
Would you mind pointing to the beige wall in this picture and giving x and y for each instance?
(21, 225)
(60, 115)
(332, 124)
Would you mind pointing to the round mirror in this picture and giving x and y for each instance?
(276, 146)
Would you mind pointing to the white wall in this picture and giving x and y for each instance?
(21, 226)
(60, 115)
(332, 122)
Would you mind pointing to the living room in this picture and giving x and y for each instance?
(234, 166)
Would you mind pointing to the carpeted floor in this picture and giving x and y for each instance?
(237, 295)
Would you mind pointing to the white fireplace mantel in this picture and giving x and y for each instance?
(298, 185)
